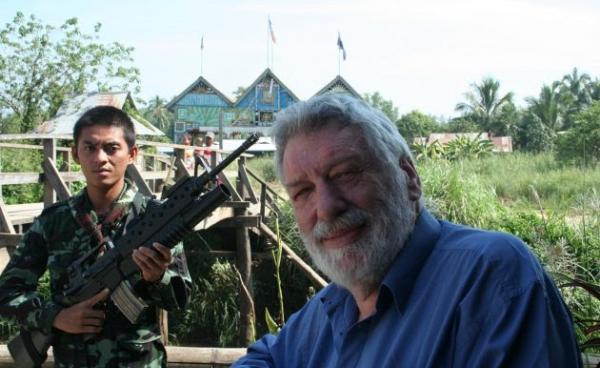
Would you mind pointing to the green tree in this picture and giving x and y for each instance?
(484, 104)
(41, 65)
(595, 90)
(9, 123)
(416, 124)
(387, 106)
(461, 124)
(549, 106)
(239, 92)
(576, 92)
(157, 113)
(532, 135)
(581, 144)
(578, 85)
(508, 120)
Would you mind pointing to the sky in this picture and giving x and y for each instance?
(421, 55)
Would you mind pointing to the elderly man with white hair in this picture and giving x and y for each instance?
(407, 290)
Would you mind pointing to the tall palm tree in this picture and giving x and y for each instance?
(484, 103)
(579, 86)
(549, 106)
(157, 113)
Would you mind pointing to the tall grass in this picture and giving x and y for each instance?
(512, 175)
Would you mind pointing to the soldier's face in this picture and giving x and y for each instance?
(104, 156)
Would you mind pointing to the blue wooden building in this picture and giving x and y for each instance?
(201, 107)
(263, 98)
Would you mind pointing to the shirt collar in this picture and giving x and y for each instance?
(403, 273)
(82, 201)
(405, 269)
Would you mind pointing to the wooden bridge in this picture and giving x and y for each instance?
(244, 213)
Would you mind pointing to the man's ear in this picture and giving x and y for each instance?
(133, 152)
(74, 153)
(413, 182)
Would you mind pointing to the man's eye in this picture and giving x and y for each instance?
(301, 194)
(111, 149)
(345, 175)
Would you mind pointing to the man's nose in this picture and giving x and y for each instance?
(330, 202)
(101, 155)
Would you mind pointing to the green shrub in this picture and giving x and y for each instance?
(212, 317)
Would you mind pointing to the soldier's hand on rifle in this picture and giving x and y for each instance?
(82, 318)
(152, 262)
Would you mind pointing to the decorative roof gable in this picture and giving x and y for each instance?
(205, 95)
(266, 77)
(338, 85)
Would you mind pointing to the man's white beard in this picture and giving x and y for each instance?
(362, 265)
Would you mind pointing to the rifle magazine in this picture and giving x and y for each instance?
(128, 302)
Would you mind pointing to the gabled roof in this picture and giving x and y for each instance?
(265, 74)
(338, 82)
(71, 110)
(201, 81)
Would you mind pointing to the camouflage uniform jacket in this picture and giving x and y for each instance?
(54, 241)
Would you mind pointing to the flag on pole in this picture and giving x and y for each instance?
(271, 31)
(341, 46)
(271, 87)
(202, 43)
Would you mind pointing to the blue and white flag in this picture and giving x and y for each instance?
(341, 46)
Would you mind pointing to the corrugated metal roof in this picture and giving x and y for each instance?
(71, 111)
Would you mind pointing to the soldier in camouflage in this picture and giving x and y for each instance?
(104, 145)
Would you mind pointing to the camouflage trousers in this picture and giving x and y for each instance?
(111, 354)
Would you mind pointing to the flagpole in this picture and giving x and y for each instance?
(339, 54)
(201, 55)
(268, 43)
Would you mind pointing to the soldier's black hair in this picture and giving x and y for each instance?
(106, 116)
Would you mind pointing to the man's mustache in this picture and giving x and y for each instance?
(352, 218)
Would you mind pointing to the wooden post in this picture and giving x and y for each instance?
(66, 165)
(49, 152)
(7, 227)
(244, 265)
(154, 165)
(180, 164)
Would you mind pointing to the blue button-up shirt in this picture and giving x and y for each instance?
(454, 297)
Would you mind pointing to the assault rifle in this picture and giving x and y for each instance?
(166, 221)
